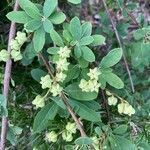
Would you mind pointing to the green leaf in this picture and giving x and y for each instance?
(112, 58)
(83, 141)
(53, 50)
(86, 40)
(29, 51)
(122, 129)
(84, 111)
(72, 73)
(39, 39)
(86, 29)
(46, 114)
(77, 51)
(113, 80)
(28, 3)
(98, 40)
(33, 25)
(75, 28)
(48, 26)
(56, 38)
(59, 102)
(49, 7)
(123, 144)
(37, 74)
(57, 17)
(140, 33)
(67, 35)
(18, 17)
(33, 13)
(74, 1)
(75, 92)
(88, 55)
(83, 63)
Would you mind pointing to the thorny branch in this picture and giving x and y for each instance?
(121, 45)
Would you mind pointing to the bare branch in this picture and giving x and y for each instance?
(121, 45)
(7, 76)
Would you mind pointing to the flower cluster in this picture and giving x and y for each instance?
(67, 133)
(51, 136)
(123, 108)
(62, 63)
(4, 55)
(53, 86)
(126, 108)
(92, 84)
(39, 101)
(16, 44)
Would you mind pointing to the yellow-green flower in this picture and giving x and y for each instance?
(4, 55)
(56, 89)
(14, 45)
(64, 52)
(71, 127)
(60, 77)
(93, 85)
(94, 73)
(84, 85)
(16, 55)
(67, 136)
(126, 108)
(51, 136)
(39, 101)
(62, 64)
(112, 100)
(46, 82)
(21, 38)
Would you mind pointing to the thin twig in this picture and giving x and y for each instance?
(70, 110)
(106, 105)
(65, 100)
(7, 76)
(121, 46)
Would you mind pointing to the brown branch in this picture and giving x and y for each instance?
(7, 76)
(120, 44)
(65, 99)
(47, 65)
(106, 105)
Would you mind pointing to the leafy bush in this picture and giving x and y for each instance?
(79, 97)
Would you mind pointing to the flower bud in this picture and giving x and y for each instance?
(46, 82)
(112, 100)
(4, 55)
(51, 136)
(16, 55)
(71, 127)
(67, 136)
(39, 101)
